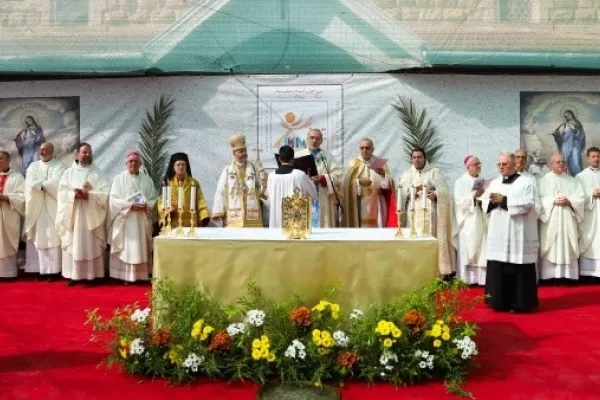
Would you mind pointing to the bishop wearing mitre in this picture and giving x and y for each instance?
(239, 190)
(589, 230)
(471, 223)
(41, 189)
(562, 209)
(365, 181)
(327, 181)
(81, 216)
(12, 204)
(421, 177)
(132, 199)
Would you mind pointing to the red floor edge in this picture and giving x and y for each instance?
(46, 353)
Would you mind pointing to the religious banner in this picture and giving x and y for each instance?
(286, 112)
(27, 122)
(565, 122)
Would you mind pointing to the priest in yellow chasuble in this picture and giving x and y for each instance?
(239, 190)
(179, 174)
(421, 174)
(365, 180)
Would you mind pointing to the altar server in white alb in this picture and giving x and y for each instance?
(563, 203)
(132, 199)
(471, 223)
(41, 188)
(589, 230)
(327, 182)
(282, 183)
(12, 208)
(80, 218)
(239, 190)
(512, 241)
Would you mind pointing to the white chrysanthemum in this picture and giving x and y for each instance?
(140, 315)
(418, 353)
(290, 352)
(422, 365)
(192, 362)
(256, 317)
(356, 314)
(386, 357)
(389, 367)
(301, 354)
(468, 347)
(235, 329)
(430, 364)
(137, 347)
(425, 354)
(341, 340)
(298, 344)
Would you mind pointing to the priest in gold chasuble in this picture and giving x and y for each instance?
(239, 190)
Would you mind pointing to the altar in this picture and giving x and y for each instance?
(368, 264)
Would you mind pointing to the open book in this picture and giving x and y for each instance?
(137, 198)
(481, 184)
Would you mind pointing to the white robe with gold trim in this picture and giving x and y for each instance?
(11, 212)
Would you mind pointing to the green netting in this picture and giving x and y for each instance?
(287, 36)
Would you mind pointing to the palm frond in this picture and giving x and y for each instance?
(419, 130)
(153, 139)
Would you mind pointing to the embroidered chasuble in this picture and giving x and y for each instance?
(589, 229)
(323, 209)
(41, 190)
(238, 196)
(365, 206)
(471, 232)
(201, 208)
(442, 211)
(559, 238)
(12, 185)
(81, 223)
(130, 232)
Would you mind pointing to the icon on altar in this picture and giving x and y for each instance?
(296, 216)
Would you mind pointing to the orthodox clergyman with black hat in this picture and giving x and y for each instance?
(239, 191)
(179, 173)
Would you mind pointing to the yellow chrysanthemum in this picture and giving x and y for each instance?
(317, 341)
(396, 332)
(264, 352)
(123, 342)
(256, 354)
(256, 344)
(335, 311)
(123, 353)
(325, 335)
(385, 330)
(319, 307)
(446, 336)
(437, 343)
(208, 329)
(316, 333)
(271, 357)
(439, 322)
(198, 324)
(203, 337)
(174, 354)
(436, 331)
(327, 342)
(195, 332)
(446, 329)
(387, 342)
(264, 339)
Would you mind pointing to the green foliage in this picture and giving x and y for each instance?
(405, 340)
(419, 130)
(153, 139)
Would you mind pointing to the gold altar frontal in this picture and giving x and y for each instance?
(369, 264)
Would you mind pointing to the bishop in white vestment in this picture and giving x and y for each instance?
(439, 201)
(589, 229)
(239, 190)
(132, 199)
(327, 182)
(12, 208)
(512, 241)
(366, 179)
(282, 182)
(471, 224)
(563, 203)
(80, 218)
(41, 188)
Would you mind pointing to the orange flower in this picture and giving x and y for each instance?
(220, 341)
(414, 320)
(300, 316)
(347, 359)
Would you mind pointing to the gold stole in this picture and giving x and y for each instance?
(243, 204)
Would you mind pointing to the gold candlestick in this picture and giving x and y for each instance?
(399, 233)
(179, 230)
(192, 232)
(413, 228)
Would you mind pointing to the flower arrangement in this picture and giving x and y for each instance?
(418, 336)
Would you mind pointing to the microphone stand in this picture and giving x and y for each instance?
(339, 208)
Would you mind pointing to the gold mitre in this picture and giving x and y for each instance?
(237, 142)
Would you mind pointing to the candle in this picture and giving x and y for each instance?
(399, 202)
(193, 200)
(180, 197)
(165, 197)
(413, 194)
(424, 196)
(169, 197)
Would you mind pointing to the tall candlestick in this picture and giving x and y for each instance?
(165, 197)
(413, 194)
(399, 199)
(193, 200)
(180, 197)
(424, 196)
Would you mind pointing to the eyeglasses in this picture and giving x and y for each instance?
(504, 164)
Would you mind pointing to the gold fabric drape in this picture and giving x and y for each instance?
(368, 271)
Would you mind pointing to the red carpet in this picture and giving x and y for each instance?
(45, 351)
